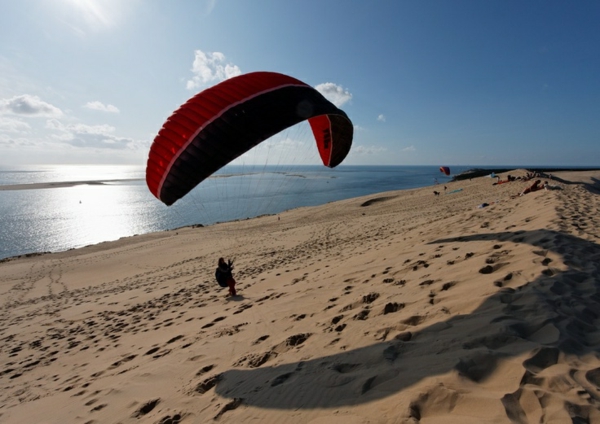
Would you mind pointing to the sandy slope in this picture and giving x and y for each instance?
(402, 307)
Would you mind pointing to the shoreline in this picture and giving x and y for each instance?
(594, 186)
(101, 182)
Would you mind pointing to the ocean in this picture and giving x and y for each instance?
(119, 203)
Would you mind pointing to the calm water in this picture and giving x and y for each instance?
(57, 219)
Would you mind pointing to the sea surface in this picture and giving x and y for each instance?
(111, 202)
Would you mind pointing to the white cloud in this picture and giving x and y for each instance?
(96, 136)
(381, 118)
(409, 149)
(13, 125)
(367, 150)
(96, 105)
(30, 106)
(285, 144)
(210, 67)
(55, 124)
(336, 94)
(10, 142)
(6, 141)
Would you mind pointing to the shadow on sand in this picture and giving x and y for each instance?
(550, 317)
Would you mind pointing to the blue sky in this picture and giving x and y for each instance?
(424, 82)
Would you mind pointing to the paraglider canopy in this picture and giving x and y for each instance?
(223, 122)
(445, 170)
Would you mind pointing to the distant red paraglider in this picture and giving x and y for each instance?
(445, 170)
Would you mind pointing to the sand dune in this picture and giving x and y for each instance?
(402, 307)
(60, 184)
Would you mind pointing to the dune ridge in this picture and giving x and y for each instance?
(401, 307)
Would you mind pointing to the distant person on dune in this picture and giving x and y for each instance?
(225, 277)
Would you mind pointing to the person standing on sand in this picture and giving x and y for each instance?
(224, 276)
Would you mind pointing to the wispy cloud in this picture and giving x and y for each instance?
(96, 136)
(367, 150)
(409, 149)
(96, 105)
(12, 125)
(381, 118)
(9, 142)
(20, 128)
(210, 67)
(27, 105)
(336, 94)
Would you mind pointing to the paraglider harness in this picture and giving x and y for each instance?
(223, 275)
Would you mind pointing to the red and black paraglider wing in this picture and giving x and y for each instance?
(223, 122)
(445, 170)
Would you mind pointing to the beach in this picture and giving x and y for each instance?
(472, 306)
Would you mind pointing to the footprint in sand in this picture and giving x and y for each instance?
(161, 354)
(205, 369)
(448, 285)
(488, 269)
(174, 339)
(414, 320)
(208, 384)
(260, 339)
(507, 277)
(235, 403)
(281, 379)
(174, 419)
(420, 264)
(340, 328)
(344, 368)
(370, 298)
(336, 319)
(243, 308)
(376, 380)
(299, 317)
(366, 299)
(146, 408)
(392, 307)
(362, 315)
(151, 351)
(255, 360)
